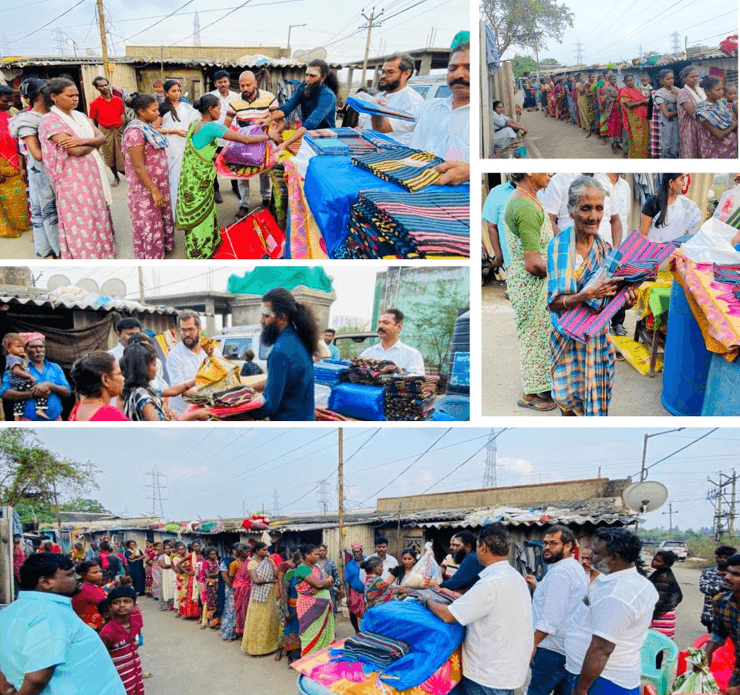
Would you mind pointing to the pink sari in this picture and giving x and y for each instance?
(242, 588)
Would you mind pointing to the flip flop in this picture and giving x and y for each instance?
(537, 404)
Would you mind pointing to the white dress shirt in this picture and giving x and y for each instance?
(442, 130)
(555, 198)
(404, 356)
(405, 99)
(556, 597)
(224, 105)
(620, 611)
(497, 611)
(182, 364)
(616, 203)
(388, 564)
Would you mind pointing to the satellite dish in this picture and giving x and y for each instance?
(89, 285)
(115, 287)
(89, 51)
(56, 281)
(313, 54)
(645, 497)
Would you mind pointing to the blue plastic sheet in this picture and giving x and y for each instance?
(431, 640)
(358, 401)
(332, 186)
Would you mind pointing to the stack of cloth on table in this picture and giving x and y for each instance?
(640, 258)
(373, 649)
(729, 274)
(235, 397)
(372, 108)
(410, 169)
(409, 397)
(363, 370)
(347, 141)
(326, 415)
(430, 224)
(329, 371)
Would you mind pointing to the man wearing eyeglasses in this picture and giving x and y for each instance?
(395, 94)
(186, 357)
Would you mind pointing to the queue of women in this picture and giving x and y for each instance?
(551, 274)
(643, 120)
(168, 150)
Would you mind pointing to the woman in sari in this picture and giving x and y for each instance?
(582, 374)
(666, 101)
(229, 568)
(585, 106)
(208, 580)
(262, 626)
(635, 113)
(354, 578)
(167, 578)
(147, 174)
(196, 207)
(529, 102)
(611, 114)
(156, 570)
(177, 116)
(291, 639)
(528, 232)
(595, 90)
(14, 219)
(85, 603)
(313, 606)
(186, 596)
(688, 98)
(148, 557)
(242, 586)
(561, 101)
(545, 94)
(25, 127)
(78, 175)
(377, 589)
(717, 128)
(135, 563)
(97, 380)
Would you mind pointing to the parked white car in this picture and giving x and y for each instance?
(679, 548)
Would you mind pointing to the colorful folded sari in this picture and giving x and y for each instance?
(315, 614)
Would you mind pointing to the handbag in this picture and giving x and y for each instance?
(243, 154)
(256, 236)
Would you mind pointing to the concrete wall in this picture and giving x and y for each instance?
(192, 80)
(515, 496)
(208, 53)
(16, 276)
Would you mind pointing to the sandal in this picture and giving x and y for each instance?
(538, 404)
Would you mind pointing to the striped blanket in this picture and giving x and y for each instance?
(376, 650)
(374, 109)
(582, 322)
(410, 169)
(727, 273)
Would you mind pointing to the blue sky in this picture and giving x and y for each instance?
(221, 471)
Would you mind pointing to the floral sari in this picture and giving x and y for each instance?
(635, 123)
(208, 579)
(378, 591)
(611, 114)
(315, 614)
(186, 594)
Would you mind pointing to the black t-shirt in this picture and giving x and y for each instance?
(651, 207)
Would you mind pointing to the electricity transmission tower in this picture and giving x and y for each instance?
(675, 42)
(156, 486)
(59, 41)
(724, 503)
(323, 496)
(275, 502)
(489, 476)
(196, 29)
(579, 53)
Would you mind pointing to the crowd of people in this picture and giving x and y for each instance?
(130, 382)
(639, 118)
(578, 628)
(553, 233)
(58, 160)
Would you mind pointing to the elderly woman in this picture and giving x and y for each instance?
(354, 577)
(582, 374)
(528, 232)
(611, 114)
(717, 128)
(689, 97)
(504, 128)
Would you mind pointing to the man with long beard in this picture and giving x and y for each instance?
(290, 328)
(555, 599)
(46, 647)
(464, 554)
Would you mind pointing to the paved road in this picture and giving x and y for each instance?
(633, 394)
(688, 627)
(23, 246)
(186, 660)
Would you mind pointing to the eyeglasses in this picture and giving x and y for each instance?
(737, 180)
(188, 330)
(389, 72)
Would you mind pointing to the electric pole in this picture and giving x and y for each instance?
(142, 298)
(731, 515)
(107, 68)
(670, 513)
(369, 26)
(489, 476)
(718, 496)
(275, 503)
(156, 487)
(323, 496)
(579, 53)
(643, 470)
(292, 26)
(196, 29)
(675, 42)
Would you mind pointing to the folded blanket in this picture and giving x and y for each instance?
(727, 273)
(373, 109)
(410, 169)
(373, 649)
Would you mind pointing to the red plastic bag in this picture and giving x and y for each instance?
(256, 236)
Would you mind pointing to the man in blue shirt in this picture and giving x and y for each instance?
(493, 214)
(289, 327)
(329, 334)
(46, 647)
(464, 544)
(50, 381)
(317, 97)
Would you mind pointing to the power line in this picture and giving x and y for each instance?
(138, 33)
(214, 22)
(36, 31)
(665, 458)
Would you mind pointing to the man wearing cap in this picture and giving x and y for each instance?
(50, 381)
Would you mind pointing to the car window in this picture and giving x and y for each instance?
(423, 90)
(443, 91)
(234, 348)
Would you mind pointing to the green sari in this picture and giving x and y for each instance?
(196, 205)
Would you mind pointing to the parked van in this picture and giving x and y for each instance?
(236, 340)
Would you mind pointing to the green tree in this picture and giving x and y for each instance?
(35, 511)
(523, 64)
(79, 504)
(526, 23)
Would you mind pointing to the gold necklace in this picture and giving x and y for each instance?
(533, 197)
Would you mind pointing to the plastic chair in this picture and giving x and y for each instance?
(660, 677)
(723, 661)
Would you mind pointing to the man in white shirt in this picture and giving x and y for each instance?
(443, 125)
(187, 356)
(126, 328)
(396, 95)
(391, 348)
(497, 612)
(381, 552)
(222, 82)
(556, 597)
(604, 638)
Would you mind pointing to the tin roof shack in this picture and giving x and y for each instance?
(74, 321)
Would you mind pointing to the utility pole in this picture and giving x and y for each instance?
(291, 26)
(643, 470)
(489, 475)
(579, 53)
(731, 513)
(156, 487)
(107, 67)
(670, 513)
(142, 298)
(369, 26)
(675, 42)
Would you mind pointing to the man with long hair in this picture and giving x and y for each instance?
(290, 328)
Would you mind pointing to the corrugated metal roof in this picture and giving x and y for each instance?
(124, 306)
(246, 61)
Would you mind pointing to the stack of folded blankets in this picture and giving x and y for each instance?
(430, 224)
(363, 370)
(328, 371)
(373, 649)
(326, 415)
(729, 274)
(410, 169)
(230, 398)
(409, 397)
(346, 141)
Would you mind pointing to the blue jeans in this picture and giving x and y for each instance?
(44, 216)
(548, 674)
(468, 687)
(601, 686)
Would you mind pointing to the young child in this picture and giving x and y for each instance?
(16, 366)
(121, 637)
(730, 98)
